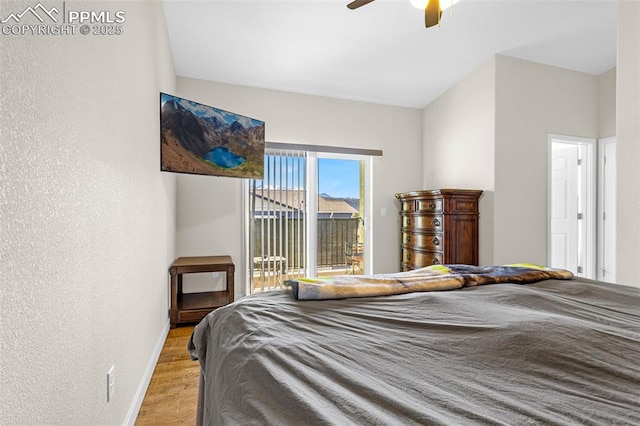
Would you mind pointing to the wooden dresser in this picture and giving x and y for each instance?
(439, 226)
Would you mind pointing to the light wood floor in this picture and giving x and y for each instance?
(172, 395)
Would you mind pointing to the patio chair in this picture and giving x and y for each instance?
(353, 257)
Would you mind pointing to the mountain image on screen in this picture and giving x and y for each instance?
(199, 139)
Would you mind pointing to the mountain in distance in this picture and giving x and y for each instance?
(184, 127)
(236, 126)
(172, 106)
(216, 122)
(353, 202)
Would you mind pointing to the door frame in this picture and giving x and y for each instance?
(312, 154)
(601, 211)
(312, 171)
(588, 196)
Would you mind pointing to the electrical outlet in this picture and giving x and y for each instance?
(111, 383)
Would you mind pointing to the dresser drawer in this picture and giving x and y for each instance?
(431, 222)
(419, 259)
(423, 241)
(433, 205)
(408, 206)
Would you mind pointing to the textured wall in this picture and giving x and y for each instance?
(87, 220)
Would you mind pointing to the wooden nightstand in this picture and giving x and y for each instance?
(192, 307)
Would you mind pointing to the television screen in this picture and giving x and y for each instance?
(203, 140)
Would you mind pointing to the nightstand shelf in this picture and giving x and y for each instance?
(192, 307)
(203, 300)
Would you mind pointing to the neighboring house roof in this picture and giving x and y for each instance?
(278, 199)
(265, 205)
(291, 200)
(335, 205)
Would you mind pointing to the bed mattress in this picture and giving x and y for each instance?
(552, 352)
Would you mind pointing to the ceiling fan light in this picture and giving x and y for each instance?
(422, 4)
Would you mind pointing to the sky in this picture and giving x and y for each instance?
(339, 178)
(336, 177)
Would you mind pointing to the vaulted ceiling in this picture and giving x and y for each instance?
(381, 52)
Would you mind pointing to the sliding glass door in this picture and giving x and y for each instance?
(277, 216)
(340, 215)
(307, 217)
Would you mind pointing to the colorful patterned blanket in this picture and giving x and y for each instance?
(430, 278)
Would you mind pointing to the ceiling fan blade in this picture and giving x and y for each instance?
(432, 13)
(357, 3)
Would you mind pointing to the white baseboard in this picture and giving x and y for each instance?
(134, 409)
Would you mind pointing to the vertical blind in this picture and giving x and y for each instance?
(278, 207)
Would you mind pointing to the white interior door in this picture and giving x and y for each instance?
(607, 211)
(564, 207)
(572, 195)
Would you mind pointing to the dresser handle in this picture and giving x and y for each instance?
(435, 261)
(435, 241)
(435, 222)
(408, 221)
(408, 256)
(408, 238)
(432, 206)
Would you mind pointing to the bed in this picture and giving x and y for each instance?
(550, 352)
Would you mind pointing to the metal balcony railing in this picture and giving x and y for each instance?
(332, 234)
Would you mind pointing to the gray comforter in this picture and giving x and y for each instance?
(553, 352)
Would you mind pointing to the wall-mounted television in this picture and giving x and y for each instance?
(203, 140)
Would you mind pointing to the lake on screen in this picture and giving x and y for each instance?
(222, 157)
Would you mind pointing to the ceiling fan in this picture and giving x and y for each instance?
(432, 11)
